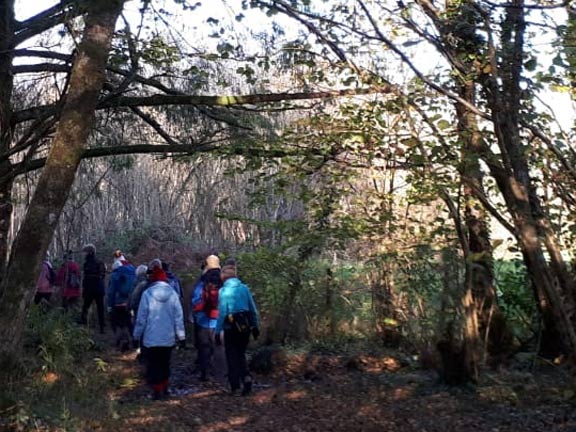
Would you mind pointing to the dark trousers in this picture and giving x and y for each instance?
(93, 296)
(120, 319)
(121, 323)
(158, 363)
(205, 348)
(236, 344)
(42, 296)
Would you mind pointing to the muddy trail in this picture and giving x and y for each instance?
(340, 393)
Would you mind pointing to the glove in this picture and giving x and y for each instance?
(182, 344)
(255, 333)
(218, 339)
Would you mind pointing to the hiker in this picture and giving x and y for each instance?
(140, 285)
(45, 284)
(205, 315)
(238, 318)
(93, 285)
(119, 290)
(160, 326)
(173, 280)
(69, 279)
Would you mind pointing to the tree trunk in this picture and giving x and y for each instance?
(57, 178)
(492, 325)
(6, 130)
(519, 190)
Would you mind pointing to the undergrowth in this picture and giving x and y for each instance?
(60, 381)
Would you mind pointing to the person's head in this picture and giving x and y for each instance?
(89, 250)
(68, 255)
(165, 266)
(212, 262)
(118, 254)
(141, 270)
(228, 272)
(230, 262)
(155, 271)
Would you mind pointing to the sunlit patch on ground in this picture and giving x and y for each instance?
(295, 395)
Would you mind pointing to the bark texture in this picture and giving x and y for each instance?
(6, 85)
(77, 119)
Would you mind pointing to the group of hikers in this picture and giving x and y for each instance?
(145, 307)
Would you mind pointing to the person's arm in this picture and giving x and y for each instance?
(142, 318)
(179, 320)
(254, 316)
(223, 308)
(197, 297)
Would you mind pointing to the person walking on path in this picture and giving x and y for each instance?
(93, 285)
(45, 284)
(205, 314)
(173, 280)
(69, 280)
(160, 326)
(140, 285)
(120, 288)
(238, 318)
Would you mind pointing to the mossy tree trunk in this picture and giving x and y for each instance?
(57, 178)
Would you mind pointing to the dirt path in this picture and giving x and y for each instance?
(321, 393)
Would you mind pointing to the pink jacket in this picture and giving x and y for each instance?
(43, 285)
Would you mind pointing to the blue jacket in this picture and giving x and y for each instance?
(201, 319)
(235, 297)
(121, 285)
(160, 321)
(174, 282)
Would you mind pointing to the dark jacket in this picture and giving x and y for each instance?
(94, 274)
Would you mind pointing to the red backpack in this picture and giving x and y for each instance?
(210, 299)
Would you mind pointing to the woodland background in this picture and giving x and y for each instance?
(400, 173)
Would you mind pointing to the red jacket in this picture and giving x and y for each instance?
(64, 279)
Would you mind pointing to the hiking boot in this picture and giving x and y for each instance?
(203, 376)
(156, 396)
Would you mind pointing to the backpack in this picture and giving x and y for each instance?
(240, 322)
(73, 279)
(126, 280)
(210, 299)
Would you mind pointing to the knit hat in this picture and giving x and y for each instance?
(89, 248)
(153, 264)
(212, 262)
(141, 270)
(228, 272)
(157, 275)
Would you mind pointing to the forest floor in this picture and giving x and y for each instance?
(340, 393)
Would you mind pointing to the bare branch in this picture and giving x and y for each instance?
(222, 101)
